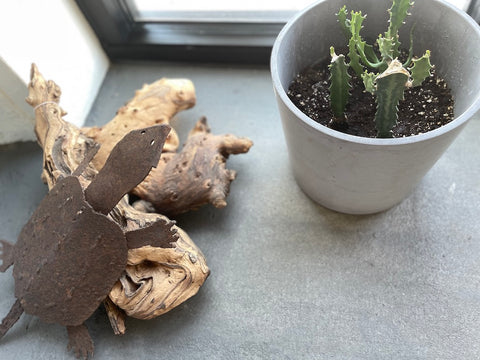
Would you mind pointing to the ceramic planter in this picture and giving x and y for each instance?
(359, 175)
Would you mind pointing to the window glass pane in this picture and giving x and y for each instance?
(209, 5)
(216, 10)
(461, 4)
(221, 10)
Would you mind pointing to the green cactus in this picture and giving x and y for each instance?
(387, 48)
(339, 84)
(369, 81)
(421, 69)
(389, 77)
(356, 41)
(389, 90)
(398, 13)
(344, 22)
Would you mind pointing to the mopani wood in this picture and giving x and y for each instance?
(91, 172)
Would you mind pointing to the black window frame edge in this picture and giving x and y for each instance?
(474, 10)
(123, 38)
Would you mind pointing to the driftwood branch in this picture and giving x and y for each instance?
(154, 104)
(183, 180)
(64, 145)
(195, 176)
(65, 148)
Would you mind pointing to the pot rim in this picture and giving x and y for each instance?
(308, 122)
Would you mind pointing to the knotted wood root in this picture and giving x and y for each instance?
(195, 176)
(65, 146)
(184, 180)
(172, 273)
(154, 104)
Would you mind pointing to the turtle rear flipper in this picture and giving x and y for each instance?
(6, 255)
(12, 317)
(79, 341)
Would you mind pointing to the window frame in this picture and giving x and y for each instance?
(193, 40)
(474, 10)
(124, 38)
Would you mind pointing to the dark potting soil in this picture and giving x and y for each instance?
(425, 107)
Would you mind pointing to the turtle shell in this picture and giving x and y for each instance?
(67, 257)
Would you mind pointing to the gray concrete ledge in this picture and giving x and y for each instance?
(290, 279)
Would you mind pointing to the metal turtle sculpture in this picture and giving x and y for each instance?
(70, 254)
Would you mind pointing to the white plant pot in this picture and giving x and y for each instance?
(359, 175)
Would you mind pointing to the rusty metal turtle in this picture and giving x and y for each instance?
(70, 254)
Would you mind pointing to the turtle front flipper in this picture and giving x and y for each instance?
(6, 255)
(12, 317)
(161, 233)
(79, 341)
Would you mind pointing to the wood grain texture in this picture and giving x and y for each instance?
(66, 146)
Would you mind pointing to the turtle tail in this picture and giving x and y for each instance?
(12, 317)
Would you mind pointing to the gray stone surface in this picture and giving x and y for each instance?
(290, 279)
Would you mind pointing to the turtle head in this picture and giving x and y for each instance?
(128, 164)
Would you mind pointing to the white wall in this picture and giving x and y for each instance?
(54, 35)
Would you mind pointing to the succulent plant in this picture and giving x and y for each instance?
(383, 75)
